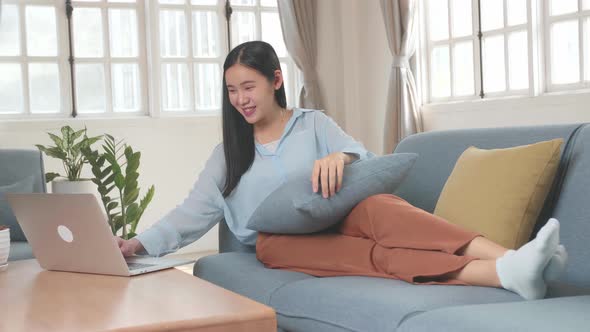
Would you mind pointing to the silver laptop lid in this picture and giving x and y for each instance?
(68, 232)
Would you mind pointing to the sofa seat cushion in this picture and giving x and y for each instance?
(370, 304)
(244, 274)
(20, 250)
(561, 314)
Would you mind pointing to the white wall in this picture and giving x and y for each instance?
(173, 152)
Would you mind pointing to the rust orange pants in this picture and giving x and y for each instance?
(383, 236)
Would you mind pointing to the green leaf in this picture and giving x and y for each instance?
(110, 179)
(106, 171)
(57, 140)
(119, 181)
(112, 205)
(132, 211)
(50, 176)
(131, 196)
(133, 162)
(147, 198)
(78, 134)
(67, 133)
(131, 235)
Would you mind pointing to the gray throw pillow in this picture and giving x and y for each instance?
(295, 209)
(7, 217)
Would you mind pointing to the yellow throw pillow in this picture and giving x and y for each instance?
(499, 193)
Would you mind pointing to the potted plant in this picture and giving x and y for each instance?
(68, 148)
(115, 174)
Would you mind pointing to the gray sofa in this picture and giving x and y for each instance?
(306, 303)
(16, 164)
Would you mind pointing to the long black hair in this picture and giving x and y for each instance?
(238, 134)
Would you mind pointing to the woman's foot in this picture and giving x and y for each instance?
(521, 271)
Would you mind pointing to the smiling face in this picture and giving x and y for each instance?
(252, 94)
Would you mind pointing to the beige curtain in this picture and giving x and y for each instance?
(298, 22)
(402, 115)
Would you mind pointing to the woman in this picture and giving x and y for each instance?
(264, 143)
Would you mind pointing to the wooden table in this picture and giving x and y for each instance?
(32, 299)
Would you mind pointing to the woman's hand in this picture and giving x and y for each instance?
(328, 172)
(129, 247)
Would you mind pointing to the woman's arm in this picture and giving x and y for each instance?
(197, 214)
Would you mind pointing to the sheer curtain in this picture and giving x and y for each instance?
(402, 115)
(298, 22)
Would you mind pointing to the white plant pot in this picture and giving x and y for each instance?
(73, 187)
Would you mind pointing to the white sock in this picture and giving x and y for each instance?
(556, 264)
(521, 271)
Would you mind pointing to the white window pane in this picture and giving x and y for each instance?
(206, 34)
(243, 27)
(9, 31)
(268, 3)
(461, 18)
(204, 2)
(243, 2)
(208, 86)
(463, 81)
(175, 87)
(41, 31)
(518, 61)
(173, 33)
(494, 71)
(272, 32)
(44, 87)
(123, 32)
(172, 2)
(587, 48)
(126, 89)
(438, 19)
(516, 12)
(288, 94)
(90, 91)
(126, 1)
(559, 7)
(87, 32)
(440, 77)
(11, 88)
(492, 14)
(565, 52)
(586, 4)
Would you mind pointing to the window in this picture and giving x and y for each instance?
(567, 31)
(33, 67)
(491, 48)
(130, 57)
(108, 45)
(471, 58)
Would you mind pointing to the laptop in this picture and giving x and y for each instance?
(69, 232)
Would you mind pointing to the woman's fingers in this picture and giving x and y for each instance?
(332, 169)
(324, 172)
(340, 171)
(315, 174)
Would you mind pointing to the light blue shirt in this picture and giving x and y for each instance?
(309, 135)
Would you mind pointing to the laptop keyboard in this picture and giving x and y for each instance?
(135, 266)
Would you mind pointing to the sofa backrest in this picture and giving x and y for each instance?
(572, 209)
(439, 151)
(17, 164)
